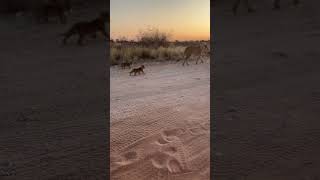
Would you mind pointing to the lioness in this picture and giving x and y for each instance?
(84, 28)
(196, 50)
(137, 70)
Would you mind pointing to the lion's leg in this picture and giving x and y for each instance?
(186, 60)
(201, 59)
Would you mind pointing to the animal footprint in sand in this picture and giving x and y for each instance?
(172, 134)
(159, 160)
(195, 128)
(174, 166)
(196, 131)
(170, 150)
(128, 158)
(165, 161)
(130, 155)
(156, 157)
(162, 140)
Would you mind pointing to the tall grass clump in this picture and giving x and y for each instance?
(132, 54)
(153, 38)
(151, 44)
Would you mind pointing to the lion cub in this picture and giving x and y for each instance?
(84, 28)
(137, 70)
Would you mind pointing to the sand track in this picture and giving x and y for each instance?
(160, 123)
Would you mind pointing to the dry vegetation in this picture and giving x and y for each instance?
(132, 54)
(151, 44)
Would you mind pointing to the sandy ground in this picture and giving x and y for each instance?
(160, 122)
(267, 93)
(267, 98)
(52, 118)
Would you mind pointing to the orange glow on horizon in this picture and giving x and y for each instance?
(182, 19)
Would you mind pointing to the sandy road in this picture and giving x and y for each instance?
(162, 85)
(168, 102)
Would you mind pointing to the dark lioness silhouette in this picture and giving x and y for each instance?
(276, 5)
(88, 28)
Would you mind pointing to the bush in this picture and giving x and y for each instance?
(132, 54)
(153, 38)
(151, 45)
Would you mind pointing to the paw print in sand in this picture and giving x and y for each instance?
(155, 157)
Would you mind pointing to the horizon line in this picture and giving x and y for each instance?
(131, 40)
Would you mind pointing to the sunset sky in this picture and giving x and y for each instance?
(184, 19)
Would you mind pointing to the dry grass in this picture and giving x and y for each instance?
(151, 44)
(132, 54)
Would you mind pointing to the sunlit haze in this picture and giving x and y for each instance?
(183, 19)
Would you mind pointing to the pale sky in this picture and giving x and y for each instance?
(184, 19)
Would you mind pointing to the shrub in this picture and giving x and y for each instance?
(131, 54)
(153, 38)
